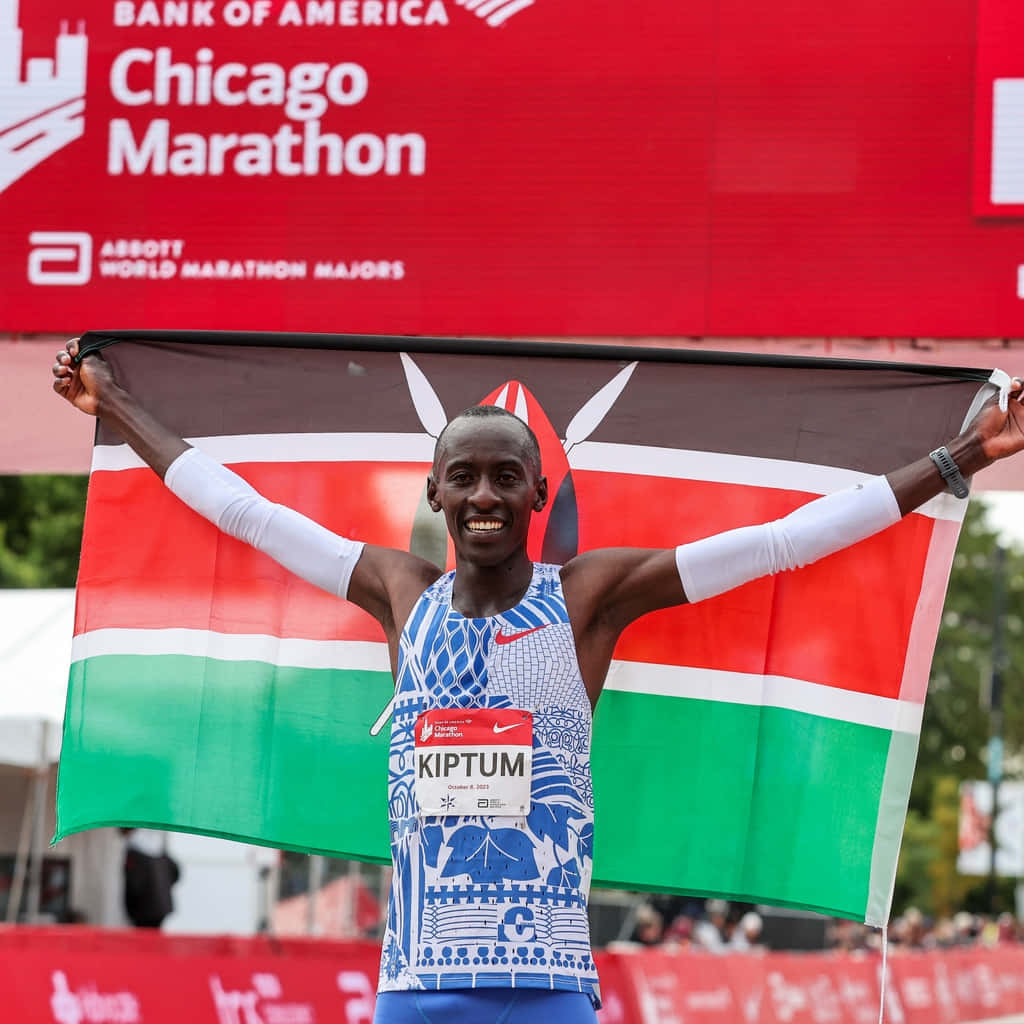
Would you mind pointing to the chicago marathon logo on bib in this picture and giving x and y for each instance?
(474, 761)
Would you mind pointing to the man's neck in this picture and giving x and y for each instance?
(479, 591)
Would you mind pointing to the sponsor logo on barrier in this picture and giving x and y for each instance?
(43, 108)
(359, 996)
(86, 1005)
(261, 1003)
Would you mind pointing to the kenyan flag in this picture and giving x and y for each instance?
(759, 745)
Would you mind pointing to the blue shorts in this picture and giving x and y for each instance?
(484, 1006)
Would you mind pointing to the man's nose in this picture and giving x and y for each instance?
(484, 494)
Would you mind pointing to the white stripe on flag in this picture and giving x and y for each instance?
(230, 449)
(745, 470)
(201, 643)
(626, 676)
(767, 691)
(640, 460)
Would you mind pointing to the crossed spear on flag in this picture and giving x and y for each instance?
(559, 522)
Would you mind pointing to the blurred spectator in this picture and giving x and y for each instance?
(647, 926)
(713, 933)
(1006, 929)
(679, 933)
(915, 929)
(965, 928)
(944, 934)
(746, 935)
(149, 876)
(844, 936)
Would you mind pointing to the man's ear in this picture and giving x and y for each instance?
(542, 494)
(432, 493)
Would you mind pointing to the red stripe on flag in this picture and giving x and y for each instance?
(845, 621)
(168, 567)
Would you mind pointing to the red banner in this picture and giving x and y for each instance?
(80, 976)
(512, 167)
(90, 976)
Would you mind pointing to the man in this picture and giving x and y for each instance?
(498, 666)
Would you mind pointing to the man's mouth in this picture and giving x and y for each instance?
(483, 526)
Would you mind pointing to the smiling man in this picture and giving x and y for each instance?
(497, 668)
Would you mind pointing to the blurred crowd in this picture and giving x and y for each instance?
(714, 926)
(913, 930)
(717, 926)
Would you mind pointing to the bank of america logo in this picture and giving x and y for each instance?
(494, 12)
(42, 107)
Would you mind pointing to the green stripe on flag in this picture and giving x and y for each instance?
(246, 748)
(799, 791)
(240, 748)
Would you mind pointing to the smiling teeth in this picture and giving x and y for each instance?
(483, 527)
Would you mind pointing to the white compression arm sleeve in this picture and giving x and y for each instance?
(716, 564)
(305, 547)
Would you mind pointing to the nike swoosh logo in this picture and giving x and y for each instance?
(505, 728)
(507, 638)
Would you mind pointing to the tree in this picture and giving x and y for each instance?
(40, 530)
(955, 728)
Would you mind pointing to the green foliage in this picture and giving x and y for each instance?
(40, 530)
(955, 729)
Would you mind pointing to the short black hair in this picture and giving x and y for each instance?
(489, 411)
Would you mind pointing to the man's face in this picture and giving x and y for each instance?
(488, 485)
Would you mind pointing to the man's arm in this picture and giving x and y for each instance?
(607, 590)
(381, 581)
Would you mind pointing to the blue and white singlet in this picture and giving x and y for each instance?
(480, 901)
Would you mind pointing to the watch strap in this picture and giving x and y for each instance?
(950, 472)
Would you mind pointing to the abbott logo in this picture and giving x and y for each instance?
(44, 112)
(59, 257)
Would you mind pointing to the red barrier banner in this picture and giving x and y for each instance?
(513, 167)
(172, 981)
(617, 993)
(856, 979)
(1008, 971)
(83, 975)
(781, 988)
(976, 986)
(671, 988)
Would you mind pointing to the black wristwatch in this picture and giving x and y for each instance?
(950, 472)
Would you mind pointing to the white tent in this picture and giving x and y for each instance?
(35, 654)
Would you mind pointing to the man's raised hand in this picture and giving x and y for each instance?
(82, 384)
(1001, 433)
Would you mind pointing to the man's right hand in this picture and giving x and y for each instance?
(91, 386)
(84, 384)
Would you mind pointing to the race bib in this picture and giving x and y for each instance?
(474, 761)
